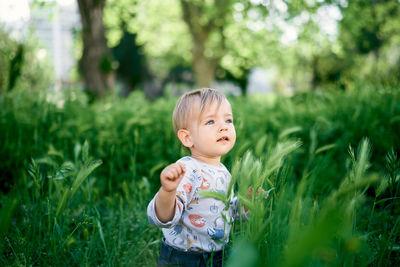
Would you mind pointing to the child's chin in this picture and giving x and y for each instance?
(224, 151)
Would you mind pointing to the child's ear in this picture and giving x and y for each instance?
(184, 137)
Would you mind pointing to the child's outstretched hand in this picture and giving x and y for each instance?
(171, 176)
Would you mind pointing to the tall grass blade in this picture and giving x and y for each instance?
(84, 173)
(274, 159)
(289, 131)
(63, 202)
(258, 150)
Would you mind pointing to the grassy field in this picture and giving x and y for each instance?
(77, 177)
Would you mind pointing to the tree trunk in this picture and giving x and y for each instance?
(96, 61)
(203, 67)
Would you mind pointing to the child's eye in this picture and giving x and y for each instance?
(229, 121)
(210, 122)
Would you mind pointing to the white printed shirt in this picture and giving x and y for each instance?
(198, 223)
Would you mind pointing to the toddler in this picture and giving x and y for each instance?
(194, 227)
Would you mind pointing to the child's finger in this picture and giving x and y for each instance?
(181, 167)
(169, 175)
(175, 173)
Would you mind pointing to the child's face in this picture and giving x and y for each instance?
(212, 133)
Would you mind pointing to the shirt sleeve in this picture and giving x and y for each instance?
(153, 219)
(184, 194)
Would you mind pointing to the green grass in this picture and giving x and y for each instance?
(77, 178)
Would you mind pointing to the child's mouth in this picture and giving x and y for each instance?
(223, 139)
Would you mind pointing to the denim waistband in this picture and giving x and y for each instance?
(170, 251)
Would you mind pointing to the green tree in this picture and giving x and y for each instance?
(370, 34)
(206, 21)
(214, 37)
(225, 39)
(368, 25)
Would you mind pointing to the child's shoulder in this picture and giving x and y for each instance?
(190, 163)
(194, 165)
(186, 159)
(193, 171)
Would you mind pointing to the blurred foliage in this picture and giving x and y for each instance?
(292, 227)
(372, 40)
(377, 27)
(34, 121)
(24, 64)
(167, 41)
(102, 219)
(364, 48)
(131, 61)
(143, 18)
(288, 38)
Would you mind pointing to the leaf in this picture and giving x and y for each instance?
(54, 152)
(47, 160)
(325, 148)
(281, 150)
(212, 194)
(156, 167)
(101, 234)
(85, 151)
(386, 199)
(382, 187)
(77, 151)
(83, 174)
(290, 131)
(260, 145)
(364, 154)
(241, 150)
(62, 203)
(246, 202)
(66, 170)
(266, 193)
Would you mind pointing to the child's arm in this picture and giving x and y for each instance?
(170, 178)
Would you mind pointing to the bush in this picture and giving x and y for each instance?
(298, 148)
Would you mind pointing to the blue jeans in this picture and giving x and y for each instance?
(170, 256)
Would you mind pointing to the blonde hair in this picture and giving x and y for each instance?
(183, 107)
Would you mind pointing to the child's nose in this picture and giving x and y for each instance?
(223, 127)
